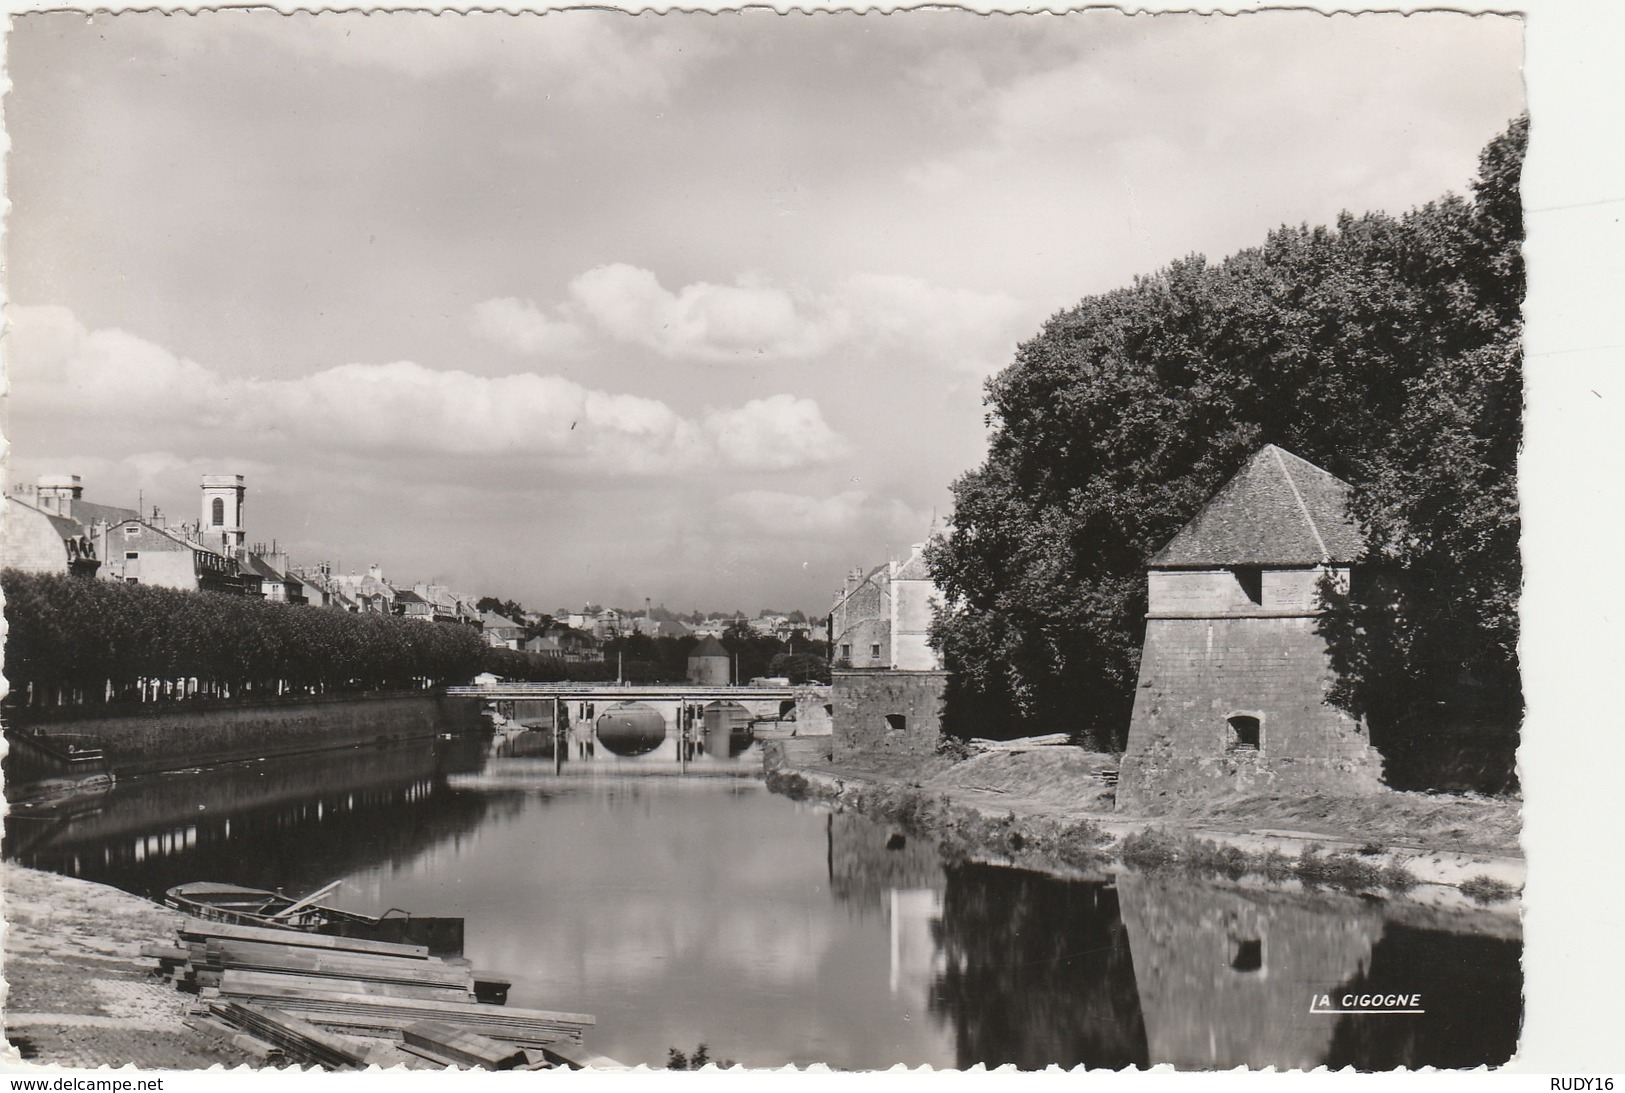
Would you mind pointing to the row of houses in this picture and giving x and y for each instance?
(50, 527)
(607, 624)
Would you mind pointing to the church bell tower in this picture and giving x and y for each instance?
(220, 523)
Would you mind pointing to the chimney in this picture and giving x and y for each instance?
(58, 492)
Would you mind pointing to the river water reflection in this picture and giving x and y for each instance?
(695, 908)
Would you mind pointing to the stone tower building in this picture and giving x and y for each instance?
(709, 664)
(220, 522)
(1233, 677)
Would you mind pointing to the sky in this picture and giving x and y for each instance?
(592, 306)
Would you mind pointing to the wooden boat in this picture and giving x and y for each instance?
(257, 907)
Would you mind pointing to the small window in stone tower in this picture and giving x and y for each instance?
(1247, 955)
(217, 512)
(1244, 733)
(896, 722)
(1251, 579)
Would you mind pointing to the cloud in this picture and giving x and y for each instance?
(957, 329)
(794, 516)
(890, 316)
(523, 327)
(584, 56)
(114, 387)
(742, 322)
(775, 433)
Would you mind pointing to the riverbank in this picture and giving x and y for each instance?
(128, 739)
(79, 992)
(1053, 809)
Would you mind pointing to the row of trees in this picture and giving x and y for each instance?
(1385, 349)
(72, 638)
(639, 658)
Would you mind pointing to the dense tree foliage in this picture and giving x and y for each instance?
(72, 638)
(640, 658)
(1384, 349)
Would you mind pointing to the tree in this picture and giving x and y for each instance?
(508, 609)
(1437, 622)
(1363, 347)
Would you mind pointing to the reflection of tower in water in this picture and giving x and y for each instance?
(916, 961)
(1226, 977)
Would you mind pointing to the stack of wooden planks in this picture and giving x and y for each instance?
(344, 1002)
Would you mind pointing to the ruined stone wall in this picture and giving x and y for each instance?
(1196, 673)
(864, 699)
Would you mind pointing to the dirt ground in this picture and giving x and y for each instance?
(78, 992)
(1068, 781)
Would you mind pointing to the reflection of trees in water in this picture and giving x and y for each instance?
(293, 823)
(1037, 972)
(1471, 988)
(867, 860)
(1226, 977)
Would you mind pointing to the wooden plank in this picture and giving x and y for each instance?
(464, 1046)
(472, 1009)
(579, 1058)
(352, 1011)
(382, 1021)
(292, 1034)
(202, 928)
(299, 905)
(255, 955)
(240, 981)
(166, 954)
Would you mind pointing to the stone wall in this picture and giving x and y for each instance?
(887, 712)
(143, 738)
(1196, 674)
(30, 542)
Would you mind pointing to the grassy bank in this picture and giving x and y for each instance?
(1053, 809)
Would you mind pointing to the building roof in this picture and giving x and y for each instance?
(68, 529)
(1277, 510)
(259, 566)
(914, 567)
(406, 595)
(88, 512)
(709, 647)
(493, 621)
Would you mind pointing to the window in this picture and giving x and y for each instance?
(131, 555)
(846, 651)
(1244, 733)
(217, 509)
(874, 651)
(132, 530)
(1248, 955)
(896, 722)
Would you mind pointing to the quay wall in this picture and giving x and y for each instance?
(156, 737)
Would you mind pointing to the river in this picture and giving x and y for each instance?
(680, 902)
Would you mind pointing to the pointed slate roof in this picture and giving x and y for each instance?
(1277, 510)
(708, 647)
